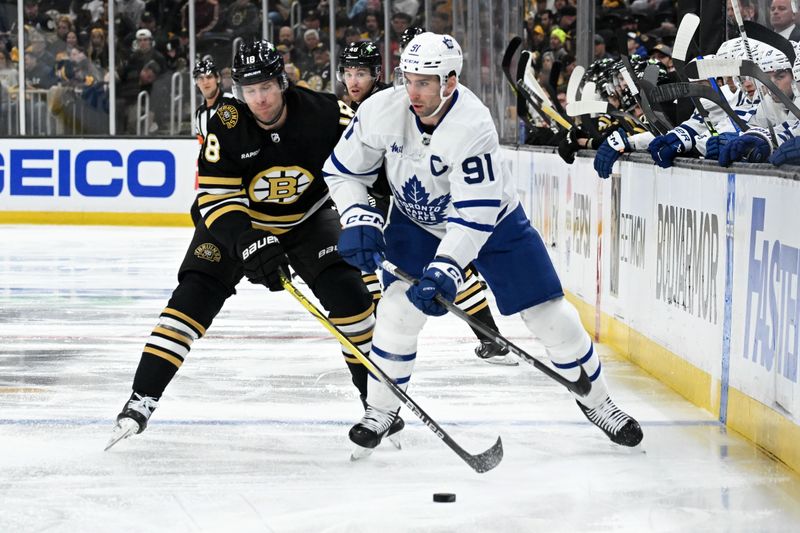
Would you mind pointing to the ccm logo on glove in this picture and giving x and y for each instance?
(257, 245)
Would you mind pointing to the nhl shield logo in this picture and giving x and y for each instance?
(208, 252)
(275, 137)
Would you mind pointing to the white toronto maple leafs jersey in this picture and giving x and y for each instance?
(452, 182)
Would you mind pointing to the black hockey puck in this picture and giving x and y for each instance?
(444, 497)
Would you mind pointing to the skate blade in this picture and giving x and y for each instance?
(124, 429)
(505, 360)
(395, 440)
(359, 453)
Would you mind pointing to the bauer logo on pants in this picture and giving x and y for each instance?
(209, 252)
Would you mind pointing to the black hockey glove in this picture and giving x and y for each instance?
(263, 258)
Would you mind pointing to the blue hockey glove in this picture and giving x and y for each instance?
(716, 142)
(753, 147)
(787, 154)
(263, 258)
(664, 148)
(362, 237)
(442, 276)
(608, 153)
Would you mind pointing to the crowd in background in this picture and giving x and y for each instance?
(67, 52)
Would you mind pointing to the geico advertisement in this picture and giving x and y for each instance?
(766, 302)
(110, 175)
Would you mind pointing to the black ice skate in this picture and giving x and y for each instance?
(494, 354)
(620, 427)
(368, 433)
(133, 418)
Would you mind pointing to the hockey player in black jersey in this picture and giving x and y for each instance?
(360, 71)
(207, 79)
(262, 205)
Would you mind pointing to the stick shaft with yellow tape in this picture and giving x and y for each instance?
(482, 462)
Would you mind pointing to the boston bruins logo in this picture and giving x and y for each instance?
(281, 185)
(209, 252)
(228, 115)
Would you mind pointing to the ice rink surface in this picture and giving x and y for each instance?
(252, 433)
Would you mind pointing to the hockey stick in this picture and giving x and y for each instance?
(771, 38)
(672, 91)
(580, 387)
(683, 39)
(526, 76)
(482, 462)
(508, 56)
(737, 13)
(713, 67)
(656, 125)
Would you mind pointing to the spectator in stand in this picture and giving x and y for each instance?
(241, 19)
(312, 21)
(399, 22)
(663, 54)
(34, 19)
(318, 76)
(545, 20)
(566, 20)
(781, 19)
(600, 48)
(372, 27)
(206, 16)
(175, 55)
(128, 93)
(58, 43)
(130, 11)
(305, 59)
(97, 49)
(361, 7)
(558, 38)
(440, 23)
(145, 52)
(8, 73)
(278, 13)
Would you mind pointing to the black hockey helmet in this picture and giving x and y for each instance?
(408, 34)
(360, 54)
(255, 62)
(205, 66)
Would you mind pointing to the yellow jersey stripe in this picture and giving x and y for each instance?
(346, 321)
(215, 180)
(186, 318)
(163, 355)
(173, 335)
(223, 210)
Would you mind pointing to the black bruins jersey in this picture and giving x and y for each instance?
(270, 180)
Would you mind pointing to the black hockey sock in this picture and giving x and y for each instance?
(484, 316)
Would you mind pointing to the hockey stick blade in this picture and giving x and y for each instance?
(683, 38)
(508, 56)
(541, 107)
(574, 84)
(580, 387)
(672, 91)
(482, 462)
(767, 36)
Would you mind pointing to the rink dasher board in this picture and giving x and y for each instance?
(657, 295)
(97, 181)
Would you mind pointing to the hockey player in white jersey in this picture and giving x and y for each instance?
(454, 202)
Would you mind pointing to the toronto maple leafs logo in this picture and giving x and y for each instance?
(416, 204)
(448, 42)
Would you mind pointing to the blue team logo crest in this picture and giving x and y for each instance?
(414, 202)
(448, 42)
